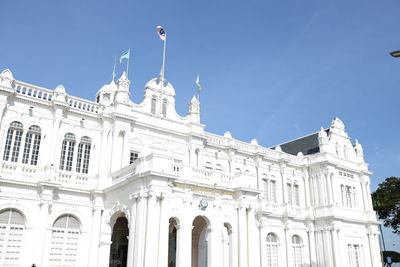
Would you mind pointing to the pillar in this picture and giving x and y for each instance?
(242, 236)
(184, 245)
(95, 237)
(140, 231)
(131, 238)
(253, 240)
(164, 234)
(335, 247)
(153, 221)
(215, 248)
(313, 256)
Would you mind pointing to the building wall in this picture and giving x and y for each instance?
(322, 199)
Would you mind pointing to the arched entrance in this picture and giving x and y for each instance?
(119, 246)
(172, 242)
(200, 242)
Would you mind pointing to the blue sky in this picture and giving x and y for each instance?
(270, 70)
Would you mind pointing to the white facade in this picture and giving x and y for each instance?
(70, 197)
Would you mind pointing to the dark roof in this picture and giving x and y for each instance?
(307, 145)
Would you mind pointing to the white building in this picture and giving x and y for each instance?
(114, 183)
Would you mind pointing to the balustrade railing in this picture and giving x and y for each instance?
(44, 94)
(33, 91)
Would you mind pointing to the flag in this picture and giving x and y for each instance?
(125, 55)
(198, 82)
(161, 33)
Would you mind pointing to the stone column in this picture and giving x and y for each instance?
(104, 250)
(307, 188)
(377, 251)
(164, 234)
(253, 248)
(243, 238)
(288, 248)
(263, 245)
(284, 185)
(95, 237)
(153, 223)
(363, 196)
(184, 246)
(313, 256)
(234, 248)
(327, 247)
(131, 238)
(42, 235)
(327, 188)
(215, 249)
(140, 231)
(335, 247)
(342, 249)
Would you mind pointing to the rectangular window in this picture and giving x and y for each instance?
(86, 157)
(27, 148)
(133, 157)
(272, 187)
(35, 149)
(7, 148)
(289, 193)
(17, 144)
(63, 151)
(296, 195)
(70, 155)
(79, 158)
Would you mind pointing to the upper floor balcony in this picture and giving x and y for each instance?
(156, 164)
(31, 174)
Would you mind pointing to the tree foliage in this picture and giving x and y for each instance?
(386, 201)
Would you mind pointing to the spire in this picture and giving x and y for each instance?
(194, 110)
(122, 94)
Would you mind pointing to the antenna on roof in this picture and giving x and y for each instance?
(113, 73)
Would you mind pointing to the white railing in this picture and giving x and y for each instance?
(82, 104)
(33, 91)
(34, 174)
(44, 94)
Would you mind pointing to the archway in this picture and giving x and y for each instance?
(200, 242)
(172, 242)
(119, 245)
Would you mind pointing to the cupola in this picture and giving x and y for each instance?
(105, 95)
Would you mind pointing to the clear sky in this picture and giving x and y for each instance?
(270, 70)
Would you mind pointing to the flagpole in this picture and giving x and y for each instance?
(113, 74)
(162, 73)
(127, 64)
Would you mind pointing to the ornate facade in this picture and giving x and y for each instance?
(114, 183)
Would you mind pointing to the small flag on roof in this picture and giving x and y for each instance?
(161, 32)
(125, 55)
(198, 82)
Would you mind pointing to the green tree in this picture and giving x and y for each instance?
(386, 201)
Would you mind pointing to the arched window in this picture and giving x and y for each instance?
(83, 152)
(12, 225)
(67, 152)
(13, 141)
(64, 241)
(31, 152)
(272, 250)
(297, 249)
(164, 107)
(153, 105)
